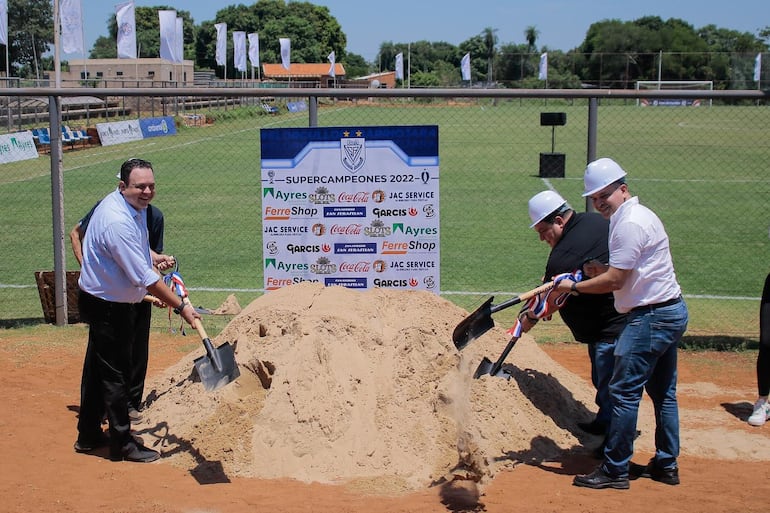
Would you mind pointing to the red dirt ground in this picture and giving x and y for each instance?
(40, 376)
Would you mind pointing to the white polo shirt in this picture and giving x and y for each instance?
(638, 241)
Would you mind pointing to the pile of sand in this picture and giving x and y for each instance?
(367, 388)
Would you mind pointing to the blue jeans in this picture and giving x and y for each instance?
(602, 359)
(645, 359)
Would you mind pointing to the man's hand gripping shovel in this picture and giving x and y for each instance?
(217, 367)
(541, 304)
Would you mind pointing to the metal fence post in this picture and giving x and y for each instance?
(593, 120)
(313, 111)
(57, 207)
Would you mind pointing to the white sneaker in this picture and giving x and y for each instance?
(761, 413)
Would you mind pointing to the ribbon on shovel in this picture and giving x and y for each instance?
(543, 306)
(175, 282)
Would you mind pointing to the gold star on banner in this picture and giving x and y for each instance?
(346, 133)
(358, 133)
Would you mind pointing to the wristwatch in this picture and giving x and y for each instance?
(574, 289)
(178, 309)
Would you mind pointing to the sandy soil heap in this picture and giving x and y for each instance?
(339, 385)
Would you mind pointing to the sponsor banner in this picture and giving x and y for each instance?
(669, 102)
(118, 132)
(17, 146)
(351, 206)
(156, 127)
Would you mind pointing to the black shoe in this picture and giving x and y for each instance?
(654, 472)
(88, 445)
(598, 479)
(136, 452)
(593, 427)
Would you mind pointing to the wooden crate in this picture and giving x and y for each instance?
(46, 288)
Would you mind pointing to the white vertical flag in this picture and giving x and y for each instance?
(125, 17)
(179, 40)
(400, 66)
(167, 21)
(254, 49)
(221, 52)
(757, 67)
(332, 72)
(239, 50)
(4, 22)
(71, 26)
(542, 74)
(465, 66)
(285, 52)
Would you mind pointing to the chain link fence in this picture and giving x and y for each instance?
(700, 159)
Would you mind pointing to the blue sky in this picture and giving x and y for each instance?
(562, 23)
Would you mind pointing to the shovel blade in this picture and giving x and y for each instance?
(475, 325)
(484, 368)
(218, 369)
(487, 367)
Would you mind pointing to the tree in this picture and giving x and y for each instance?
(489, 37)
(530, 34)
(313, 32)
(30, 33)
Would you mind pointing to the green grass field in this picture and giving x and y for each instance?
(703, 170)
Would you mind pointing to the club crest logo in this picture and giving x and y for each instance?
(353, 152)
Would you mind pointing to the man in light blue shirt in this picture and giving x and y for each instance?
(116, 273)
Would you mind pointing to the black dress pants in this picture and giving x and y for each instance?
(107, 369)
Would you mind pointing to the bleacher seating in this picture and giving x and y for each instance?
(270, 109)
(299, 106)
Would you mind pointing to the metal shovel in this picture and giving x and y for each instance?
(217, 367)
(496, 369)
(480, 321)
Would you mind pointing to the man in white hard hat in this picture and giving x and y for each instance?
(641, 276)
(575, 238)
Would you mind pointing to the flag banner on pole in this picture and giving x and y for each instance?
(254, 49)
(167, 21)
(542, 74)
(400, 66)
(465, 66)
(125, 16)
(332, 58)
(757, 67)
(221, 52)
(71, 27)
(179, 40)
(239, 50)
(4, 22)
(285, 52)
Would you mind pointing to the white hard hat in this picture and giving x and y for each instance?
(543, 204)
(601, 173)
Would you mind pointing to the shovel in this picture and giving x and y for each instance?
(480, 321)
(496, 369)
(217, 367)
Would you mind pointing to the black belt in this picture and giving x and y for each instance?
(649, 308)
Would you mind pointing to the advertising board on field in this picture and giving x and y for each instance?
(118, 132)
(17, 146)
(351, 206)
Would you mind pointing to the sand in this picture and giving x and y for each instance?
(367, 389)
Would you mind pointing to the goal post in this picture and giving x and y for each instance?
(676, 85)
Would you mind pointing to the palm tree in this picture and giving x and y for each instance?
(530, 34)
(490, 42)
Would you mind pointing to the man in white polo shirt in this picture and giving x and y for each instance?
(641, 276)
